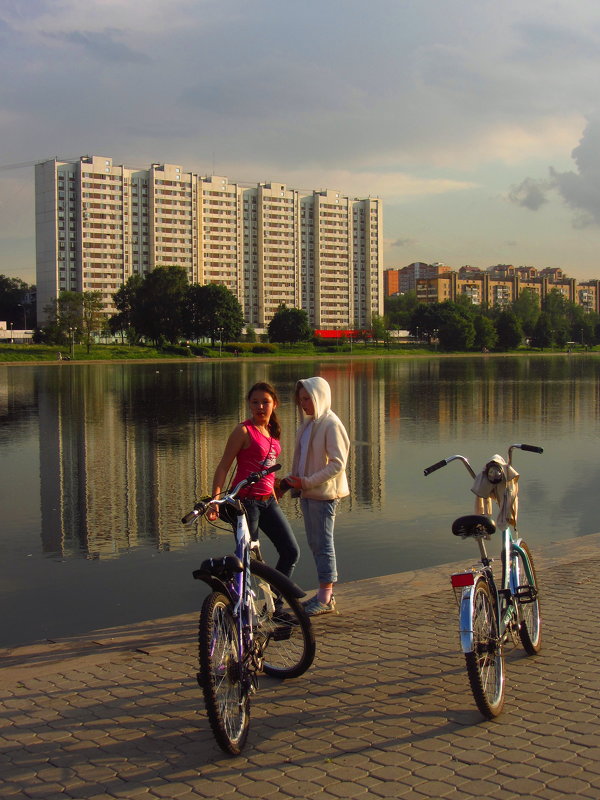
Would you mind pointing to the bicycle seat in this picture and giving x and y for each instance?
(473, 525)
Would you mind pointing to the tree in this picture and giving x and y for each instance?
(527, 309)
(65, 318)
(159, 304)
(426, 319)
(486, 336)
(289, 325)
(399, 309)
(509, 330)
(213, 311)
(379, 328)
(127, 303)
(582, 325)
(456, 332)
(543, 335)
(14, 303)
(92, 318)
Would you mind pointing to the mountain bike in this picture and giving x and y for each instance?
(252, 621)
(491, 612)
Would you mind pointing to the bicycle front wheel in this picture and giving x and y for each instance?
(282, 625)
(485, 664)
(530, 629)
(222, 674)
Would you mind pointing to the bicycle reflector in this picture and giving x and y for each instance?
(462, 579)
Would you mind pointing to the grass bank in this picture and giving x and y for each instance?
(40, 353)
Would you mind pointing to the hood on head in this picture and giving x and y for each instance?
(320, 392)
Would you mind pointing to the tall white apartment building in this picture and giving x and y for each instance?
(97, 224)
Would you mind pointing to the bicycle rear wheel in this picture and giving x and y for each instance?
(222, 675)
(530, 629)
(485, 665)
(282, 625)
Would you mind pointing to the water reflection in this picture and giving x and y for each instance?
(102, 460)
(124, 449)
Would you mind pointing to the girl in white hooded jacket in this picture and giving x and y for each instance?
(319, 476)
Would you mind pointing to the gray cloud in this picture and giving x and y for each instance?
(531, 193)
(102, 46)
(581, 189)
(404, 243)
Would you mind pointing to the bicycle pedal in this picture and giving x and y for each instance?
(282, 634)
(526, 594)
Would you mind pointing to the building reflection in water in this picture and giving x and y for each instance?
(125, 449)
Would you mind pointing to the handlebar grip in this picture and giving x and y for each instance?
(433, 467)
(274, 468)
(254, 477)
(532, 448)
(198, 511)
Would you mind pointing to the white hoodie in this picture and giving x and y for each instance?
(327, 452)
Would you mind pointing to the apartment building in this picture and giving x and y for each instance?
(404, 279)
(501, 285)
(98, 223)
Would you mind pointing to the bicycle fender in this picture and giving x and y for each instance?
(215, 584)
(465, 619)
(276, 578)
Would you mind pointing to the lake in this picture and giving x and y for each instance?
(98, 462)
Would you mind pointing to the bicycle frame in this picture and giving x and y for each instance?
(505, 607)
(230, 575)
(492, 610)
(506, 610)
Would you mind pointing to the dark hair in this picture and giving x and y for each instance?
(274, 425)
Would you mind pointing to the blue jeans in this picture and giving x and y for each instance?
(319, 519)
(268, 516)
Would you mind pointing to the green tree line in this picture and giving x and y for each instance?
(163, 307)
(461, 325)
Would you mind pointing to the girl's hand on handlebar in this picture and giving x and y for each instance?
(213, 513)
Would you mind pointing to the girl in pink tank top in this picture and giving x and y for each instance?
(262, 452)
(254, 444)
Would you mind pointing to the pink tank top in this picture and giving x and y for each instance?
(262, 453)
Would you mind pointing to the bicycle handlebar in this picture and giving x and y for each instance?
(532, 448)
(428, 470)
(201, 507)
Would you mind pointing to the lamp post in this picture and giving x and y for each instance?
(11, 332)
(72, 332)
(220, 332)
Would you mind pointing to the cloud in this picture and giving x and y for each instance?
(102, 45)
(403, 243)
(531, 193)
(580, 189)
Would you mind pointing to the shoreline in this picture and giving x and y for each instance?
(294, 357)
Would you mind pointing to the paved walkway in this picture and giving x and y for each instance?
(384, 712)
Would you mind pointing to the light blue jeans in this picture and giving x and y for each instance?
(319, 519)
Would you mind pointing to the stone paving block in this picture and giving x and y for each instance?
(402, 724)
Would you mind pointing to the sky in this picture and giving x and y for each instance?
(476, 122)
